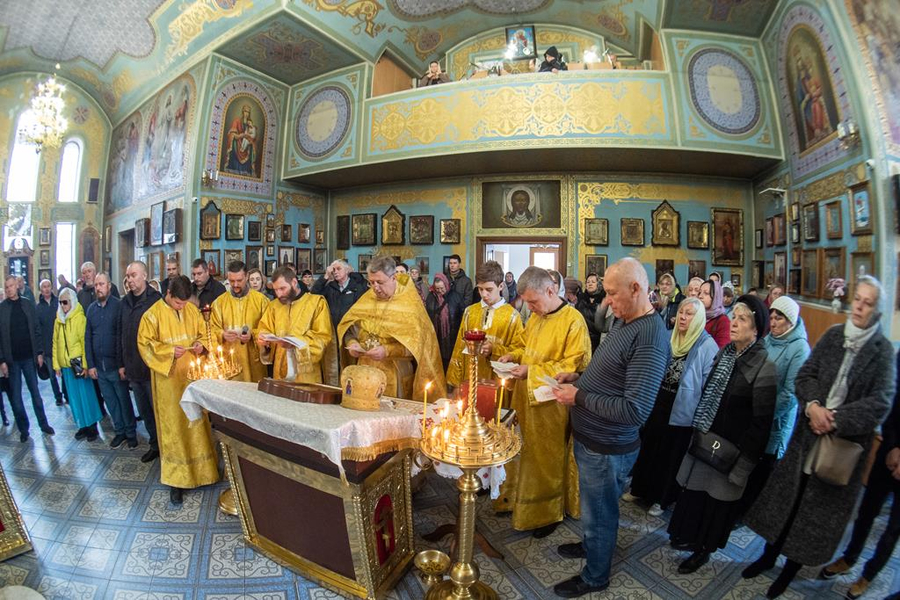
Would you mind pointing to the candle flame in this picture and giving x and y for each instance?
(427, 386)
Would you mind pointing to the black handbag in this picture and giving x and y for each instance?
(714, 450)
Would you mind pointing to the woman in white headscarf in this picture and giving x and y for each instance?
(70, 363)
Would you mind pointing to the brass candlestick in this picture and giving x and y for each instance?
(470, 443)
(216, 365)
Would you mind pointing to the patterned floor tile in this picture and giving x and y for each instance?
(166, 555)
(231, 558)
(55, 497)
(65, 556)
(664, 562)
(55, 588)
(128, 468)
(35, 461)
(160, 510)
(79, 466)
(12, 574)
(109, 503)
(125, 593)
(529, 550)
(635, 524)
(19, 484)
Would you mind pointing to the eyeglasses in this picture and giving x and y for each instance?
(64, 302)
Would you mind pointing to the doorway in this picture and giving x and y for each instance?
(517, 254)
(126, 253)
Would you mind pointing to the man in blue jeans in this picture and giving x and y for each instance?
(609, 403)
(21, 356)
(101, 340)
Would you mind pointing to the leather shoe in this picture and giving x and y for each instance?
(176, 496)
(118, 440)
(575, 550)
(681, 545)
(575, 587)
(132, 443)
(81, 434)
(48, 430)
(23, 437)
(693, 562)
(150, 455)
(542, 532)
(757, 568)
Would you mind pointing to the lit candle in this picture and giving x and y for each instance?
(446, 439)
(425, 407)
(500, 404)
(459, 409)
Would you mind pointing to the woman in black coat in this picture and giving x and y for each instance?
(590, 305)
(844, 389)
(733, 419)
(445, 308)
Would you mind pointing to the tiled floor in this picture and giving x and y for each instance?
(102, 527)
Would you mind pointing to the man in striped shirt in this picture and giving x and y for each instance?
(609, 403)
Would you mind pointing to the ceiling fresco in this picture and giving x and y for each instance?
(288, 50)
(123, 52)
(739, 17)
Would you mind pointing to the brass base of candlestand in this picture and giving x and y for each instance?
(444, 591)
(227, 504)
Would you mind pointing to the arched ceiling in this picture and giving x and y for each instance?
(122, 51)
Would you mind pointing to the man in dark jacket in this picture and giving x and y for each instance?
(101, 344)
(173, 270)
(460, 282)
(341, 288)
(21, 355)
(87, 296)
(204, 288)
(553, 63)
(135, 303)
(47, 306)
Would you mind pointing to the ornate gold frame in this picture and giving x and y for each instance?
(665, 212)
(371, 579)
(14, 538)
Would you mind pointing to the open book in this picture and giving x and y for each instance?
(293, 355)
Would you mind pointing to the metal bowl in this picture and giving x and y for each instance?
(432, 564)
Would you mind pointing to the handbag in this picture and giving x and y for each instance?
(833, 459)
(713, 450)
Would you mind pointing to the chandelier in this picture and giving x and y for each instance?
(47, 126)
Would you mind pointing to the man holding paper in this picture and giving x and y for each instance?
(305, 350)
(235, 321)
(542, 486)
(389, 329)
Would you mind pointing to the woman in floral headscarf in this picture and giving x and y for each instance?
(445, 308)
(718, 325)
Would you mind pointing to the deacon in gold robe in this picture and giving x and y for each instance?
(303, 316)
(542, 485)
(234, 323)
(389, 329)
(169, 337)
(492, 315)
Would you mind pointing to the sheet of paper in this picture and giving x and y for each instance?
(544, 394)
(552, 383)
(503, 367)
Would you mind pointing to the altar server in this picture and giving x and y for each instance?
(169, 337)
(235, 322)
(543, 485)
(389, 329)
(492, 314)
(304, 316)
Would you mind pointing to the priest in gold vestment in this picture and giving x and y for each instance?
(304, 316)
(169, 337)
(234, 322)
(388, 328)
(495, 317)
(542, 484)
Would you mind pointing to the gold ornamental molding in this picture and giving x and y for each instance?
(831, 185)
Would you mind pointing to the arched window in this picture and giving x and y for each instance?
(21, 184)
(69, 171)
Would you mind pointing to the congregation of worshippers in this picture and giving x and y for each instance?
(684, 398)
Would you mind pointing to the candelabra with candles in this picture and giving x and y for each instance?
(470, 443)
(216, 364)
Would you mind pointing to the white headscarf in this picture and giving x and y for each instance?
(66, 294)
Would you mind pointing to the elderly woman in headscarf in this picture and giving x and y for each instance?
(693, 287)
(670, 298)
(731, 428)
(788, 348)
(667, 432)
(445, 308)
(844, 391)
(70, 363)
(717, 323)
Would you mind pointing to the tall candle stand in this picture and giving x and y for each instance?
(216, 366)
(471, 443)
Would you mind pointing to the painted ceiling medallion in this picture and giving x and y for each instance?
(426, 9)
(323, 121)
(62, 31)
(724, 91)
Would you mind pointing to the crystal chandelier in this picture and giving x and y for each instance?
(48, 126)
